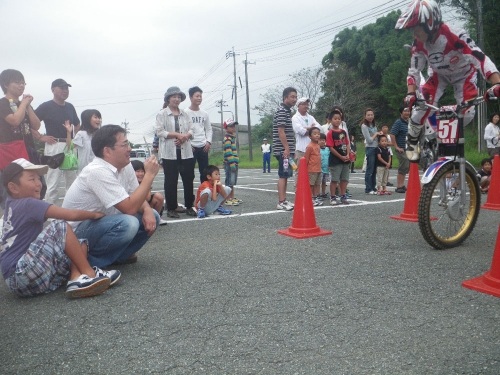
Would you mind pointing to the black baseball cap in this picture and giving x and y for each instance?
(59, 83)
(18, 166)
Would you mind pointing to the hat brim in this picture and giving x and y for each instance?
(41, 169)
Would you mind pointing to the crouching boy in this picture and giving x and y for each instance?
(211, 194)
(36, 260)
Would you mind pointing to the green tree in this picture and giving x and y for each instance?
(264, 129)
(376, 52)
(344, 87)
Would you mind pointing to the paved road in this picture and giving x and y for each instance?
(228, 295)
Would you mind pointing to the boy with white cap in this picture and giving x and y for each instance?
(36, 260)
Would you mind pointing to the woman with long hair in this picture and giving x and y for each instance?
(91, 121)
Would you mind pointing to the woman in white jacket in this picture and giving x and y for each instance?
(175, 131)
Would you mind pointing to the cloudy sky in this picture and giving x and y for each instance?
(121, 56)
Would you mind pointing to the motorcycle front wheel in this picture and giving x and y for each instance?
(443, 219)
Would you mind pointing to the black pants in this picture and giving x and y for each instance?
(202, 158)
(172, 169)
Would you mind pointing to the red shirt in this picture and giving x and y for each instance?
(202, 187)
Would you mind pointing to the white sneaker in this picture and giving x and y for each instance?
(319, 202)
(163, 222)
(283, 206)
(289, 204)
(112, 275)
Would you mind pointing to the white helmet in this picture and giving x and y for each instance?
(421, 12)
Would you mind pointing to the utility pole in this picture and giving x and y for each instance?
(250, 154)
(125, 124)
(221, 103)
(481, 117)
(228, 55)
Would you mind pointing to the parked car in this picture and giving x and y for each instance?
(138, 154)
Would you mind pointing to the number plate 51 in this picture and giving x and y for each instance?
(448, 131)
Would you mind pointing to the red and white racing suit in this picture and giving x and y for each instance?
(454, 59)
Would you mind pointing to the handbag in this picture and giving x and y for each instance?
(54, 161)
(352, 156)
(70, 162)
(12, 151)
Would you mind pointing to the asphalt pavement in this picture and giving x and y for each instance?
(229, 295)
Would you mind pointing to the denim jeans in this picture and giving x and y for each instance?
(114, 237)
(202, 158)
(371, 169)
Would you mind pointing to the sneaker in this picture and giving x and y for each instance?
(390, 183)
(201, 213)
(191, 212)
(319, 202)
(343, 200)
(373, 192)
(222, 211)
(236, 200)
(289, 204)
(85, 286)
(283, 206)
(163, 222)
(112, 275)
(173, 214)
(400, 190)
(333, 200)
(324, 196)
(230, 202)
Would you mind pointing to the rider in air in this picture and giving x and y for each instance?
(452, 58)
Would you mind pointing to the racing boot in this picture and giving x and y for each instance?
(412, 147)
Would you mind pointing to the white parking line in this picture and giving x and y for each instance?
(355, 203)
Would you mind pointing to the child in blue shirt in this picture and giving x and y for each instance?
(325, 155)
(37, 260)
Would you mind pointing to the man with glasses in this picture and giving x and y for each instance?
(54, 114)
(109, 185)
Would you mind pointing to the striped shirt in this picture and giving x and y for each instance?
(230, 151)
(283, 118)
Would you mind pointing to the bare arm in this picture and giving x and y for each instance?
(55, 212)
(284, 142)
(17, 117)
(136, 200)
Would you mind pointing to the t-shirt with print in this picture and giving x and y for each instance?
(313, 157)
(202, 128)
(9, 133)
(338, 140)
(202, 187)
(22, 223)
(54, 116)
(385, 155)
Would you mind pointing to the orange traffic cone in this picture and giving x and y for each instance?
(489, 283)
(304, 221)
(410, 211)
(493, 200)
